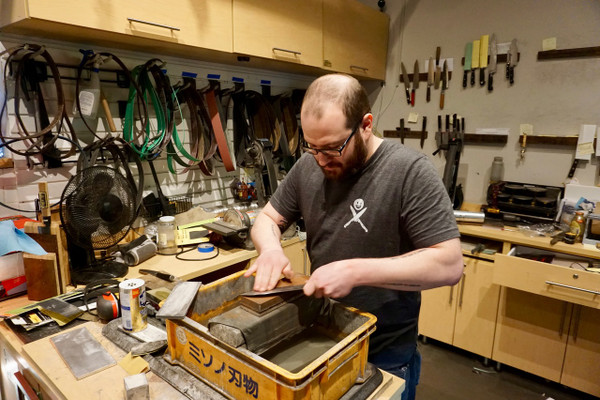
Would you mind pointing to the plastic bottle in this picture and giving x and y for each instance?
(89, 95)
(578, 226)
(497, 170)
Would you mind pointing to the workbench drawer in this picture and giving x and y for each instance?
(556, 281)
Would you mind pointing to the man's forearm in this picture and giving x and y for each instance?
(420, 269)
(265, 233)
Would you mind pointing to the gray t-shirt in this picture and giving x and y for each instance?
(395, 204)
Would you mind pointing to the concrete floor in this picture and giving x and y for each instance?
(448, 373)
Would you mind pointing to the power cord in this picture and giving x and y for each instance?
(177, 256)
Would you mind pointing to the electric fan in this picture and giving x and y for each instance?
(97, 208)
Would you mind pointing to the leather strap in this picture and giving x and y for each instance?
(217, 125)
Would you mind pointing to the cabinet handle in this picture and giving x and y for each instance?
(563, 317)
(462, 290)
(173, 28)
(359, 67)
(577, 318)
(572, 287)
(294, 52)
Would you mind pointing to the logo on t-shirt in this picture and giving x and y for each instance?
(358, 209)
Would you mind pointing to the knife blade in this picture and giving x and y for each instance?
(483, 57)
(402, 130)
(493, 62)
(438, 70)
(444, 84)
(283, 289)
(406, 82)
(467, 66)
(514, 60)
(423, 131)
(429, 78)
(158, 274)
(415, 83)
(474, 60)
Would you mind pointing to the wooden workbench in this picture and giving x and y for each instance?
(49, 375)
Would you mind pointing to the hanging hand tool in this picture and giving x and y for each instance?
(438, 70)
(429, 78)
(444, 84)
(474, 60)
(483, 57)
(513, 60)
(406, 82)
(415, 83)
(402, 130)
(493, 62)
(467, 66)
(423, 131)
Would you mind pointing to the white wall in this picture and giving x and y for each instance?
(556, 97)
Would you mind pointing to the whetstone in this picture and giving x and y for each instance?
(82, 353)
(178, 303)
(260, 304)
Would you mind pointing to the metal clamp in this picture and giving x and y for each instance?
(572, 287)
(294, 52)
(173, 28)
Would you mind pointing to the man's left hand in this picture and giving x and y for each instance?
(330, 280)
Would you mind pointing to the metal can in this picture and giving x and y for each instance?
(132, 295)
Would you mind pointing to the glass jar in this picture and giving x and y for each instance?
(578, 226)
(497, 170)
(166, 235)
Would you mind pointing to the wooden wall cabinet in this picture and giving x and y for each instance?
(176, 27)
(355, 39)
(463, 315)
(288, 31)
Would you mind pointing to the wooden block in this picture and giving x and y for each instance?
(41, 273)
(53, 242)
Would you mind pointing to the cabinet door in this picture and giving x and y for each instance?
(288, 30)
(298, 257)
(200, 23)
(531, 333)
(438, 308)
(477, 308)
(355, 38)
(581, 369)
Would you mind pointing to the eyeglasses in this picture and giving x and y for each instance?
(330, 152)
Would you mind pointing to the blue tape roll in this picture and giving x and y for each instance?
(205, 247)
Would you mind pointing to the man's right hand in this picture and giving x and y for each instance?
(269, 266)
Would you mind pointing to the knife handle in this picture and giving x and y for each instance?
(507, 70)
(412, 98)
(573, 168)
(473, 78)
(428, 94)
(482, 76)
(491, 82)
(439, 123)
(511, 75)
(402, 130)
(407, 95)
(442, 100)
(465, 75)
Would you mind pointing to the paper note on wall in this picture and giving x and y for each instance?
(585, 142)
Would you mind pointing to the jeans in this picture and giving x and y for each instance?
(407, 368)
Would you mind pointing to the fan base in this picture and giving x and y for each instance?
(104, 270)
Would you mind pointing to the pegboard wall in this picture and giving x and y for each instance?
(19, 183)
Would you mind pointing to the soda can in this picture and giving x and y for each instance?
(132, 295)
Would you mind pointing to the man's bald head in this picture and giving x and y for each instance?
(338, 90)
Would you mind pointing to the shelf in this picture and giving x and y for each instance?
(500, 59)
(582, 52)
(469, 138)
(570, 141)
(408, 134)
(423, 77)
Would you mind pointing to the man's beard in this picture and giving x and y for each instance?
(354, 163)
